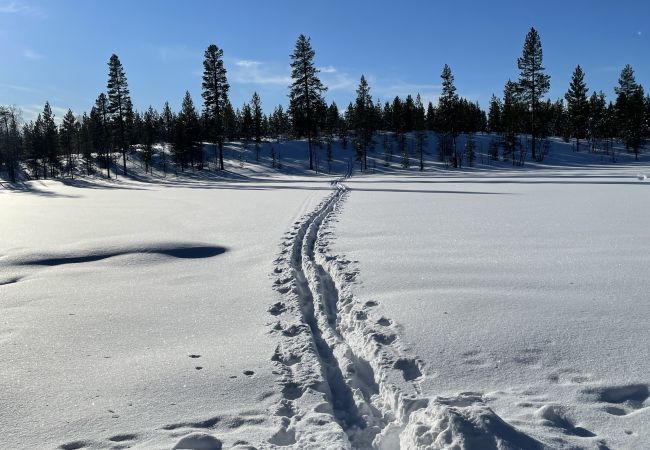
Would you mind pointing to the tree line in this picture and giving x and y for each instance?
(103, 138)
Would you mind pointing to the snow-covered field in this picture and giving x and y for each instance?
(482, 308)
(135, 314)
(529, 291)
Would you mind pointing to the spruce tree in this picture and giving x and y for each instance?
(50, 139)
(100, 118)
(68, 137)
(431, 117)
(578, 106)
(596, 122)
(149, 135)
(167, 132)
(494, 115)
(534, 83)
(420, 129)
(258, 120)
(363, 120)
(448, 116)
(120, 107)
(510, 119)
(215, 96)
(186, 145)
(630, 110)
(305, 94)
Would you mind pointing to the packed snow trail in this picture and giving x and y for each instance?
(347, 380)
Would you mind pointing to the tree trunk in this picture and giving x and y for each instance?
(220, 155)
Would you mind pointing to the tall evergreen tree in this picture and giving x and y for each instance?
(363, 120)
(510, 118)
(50, 139)
(578, 106)
(68, 138)
(149, 135)
(420, 129)
(448, 116)
(167, 132)
(305, 94)
(120, 107)
(10, 140)
(596, 123)
(258, 121)
(99, 119)
(630, 110)
(186, 145)
(534, 83)
(494, 115)
(215, 96)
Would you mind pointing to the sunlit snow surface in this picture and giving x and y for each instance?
(529, 290)
(473, 308)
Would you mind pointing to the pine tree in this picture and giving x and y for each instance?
(167, 132)
(186, 146)
(50, 139)
(630, 110)
(420, 127)
(596, 122)
(534, 83)
(119, 105)
(494, 115)
(68, 137)
(363, 120)
(10, 140)
(149, 135)
(86, 142)
(215, 96)
(305, 95)
(246, 124)
(431, 117)
(578, 106)
(257, 119)
(448, 116)
(510, 118)
(99, 118)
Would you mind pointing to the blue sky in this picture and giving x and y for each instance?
(58, 51)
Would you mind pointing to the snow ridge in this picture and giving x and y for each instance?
(347, 378)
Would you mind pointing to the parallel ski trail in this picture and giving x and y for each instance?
(322, 359)
(347, 379)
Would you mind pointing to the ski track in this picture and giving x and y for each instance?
(347, 379)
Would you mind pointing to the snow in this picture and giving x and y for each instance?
(485, 307)
(528, 290)
(111, 299)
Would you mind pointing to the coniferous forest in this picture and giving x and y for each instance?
(521, 119)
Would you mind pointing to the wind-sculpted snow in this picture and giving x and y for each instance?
(174, 250)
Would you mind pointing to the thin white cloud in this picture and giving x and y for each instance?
(254, 72)
(32, 55)
(247, 63)
(14, 8)
(20, 88)
(339, 81)
(328, 69)
(18, 7)
(30, 112)
(639, 33)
